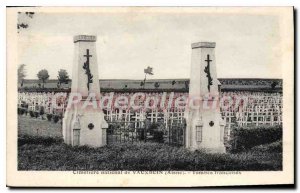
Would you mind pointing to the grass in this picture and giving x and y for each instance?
(42, 152)
(38, 127)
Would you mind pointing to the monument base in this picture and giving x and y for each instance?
(81, 127)
(204, 134)
(220, 149)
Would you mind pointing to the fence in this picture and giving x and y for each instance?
(126, 131)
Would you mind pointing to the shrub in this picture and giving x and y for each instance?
(56, 118)
(36, 114)
(151, 127)
(27, 139)
(42, 110)
(245, 138)
(31, 113)
(49, 117)
(157, 130)
(270, 148)
(158, 136)
(22, 111)
(141, 134)
(39, 153)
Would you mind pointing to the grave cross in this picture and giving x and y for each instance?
(86, 66)
(207, 71)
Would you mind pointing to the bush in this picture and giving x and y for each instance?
(141, 134)
(38, 140)
(157, 130)
(31, 113)
(49, 117)
(270, 148)
(19, 111)
(245, 138)
(42, 110)
(36, 114)
(39, 153)
(158, 136)
(56, 118)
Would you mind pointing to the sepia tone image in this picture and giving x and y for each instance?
(159, 91)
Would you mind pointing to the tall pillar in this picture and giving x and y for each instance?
(83, 122)
(205, 127)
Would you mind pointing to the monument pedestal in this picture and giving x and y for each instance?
(205, 127)
(83, 122)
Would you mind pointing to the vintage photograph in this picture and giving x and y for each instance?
(137, 91)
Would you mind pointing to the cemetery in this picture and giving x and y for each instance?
(242, 132)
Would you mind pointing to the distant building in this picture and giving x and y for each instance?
(159, 85)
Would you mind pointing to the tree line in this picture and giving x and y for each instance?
(43, 76)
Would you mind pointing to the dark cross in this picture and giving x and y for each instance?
(207, 71)
(86, 66)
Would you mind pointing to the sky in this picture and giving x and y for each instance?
(247, 45)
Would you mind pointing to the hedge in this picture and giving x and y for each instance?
(244, 138)
(39, 153)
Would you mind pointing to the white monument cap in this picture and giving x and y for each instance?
(203, 45)
(85, 38)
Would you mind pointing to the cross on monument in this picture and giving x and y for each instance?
(207, 71)
(86, 66)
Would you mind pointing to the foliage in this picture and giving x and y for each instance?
(274, 84)
(40, 151)
(42, 110)
(29, 126)
(31, 113)
(157, 130)
(38, 140)
(186, 85)
(63, 76)
(43, 76)
(22, 22)
(49, 117)
(36, 114)
(36, 153)
(245, 138)
(271, 147)
(56, 118)
(21, 73)
(21, 111)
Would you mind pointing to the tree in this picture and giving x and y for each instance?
(186, 84)
(63, 77)
(23, 20)
(156, 84)
(274, 84)
(43, 76)
(148, 70)
(21, 74)
(142, 84)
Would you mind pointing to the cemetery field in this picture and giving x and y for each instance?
(46, 151)
(37, 127)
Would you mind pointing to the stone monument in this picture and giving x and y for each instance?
(205, 126)
(83, 122)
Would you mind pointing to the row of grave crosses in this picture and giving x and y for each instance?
(261, 110)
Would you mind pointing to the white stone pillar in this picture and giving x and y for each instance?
(82, 121)
(205, 127)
